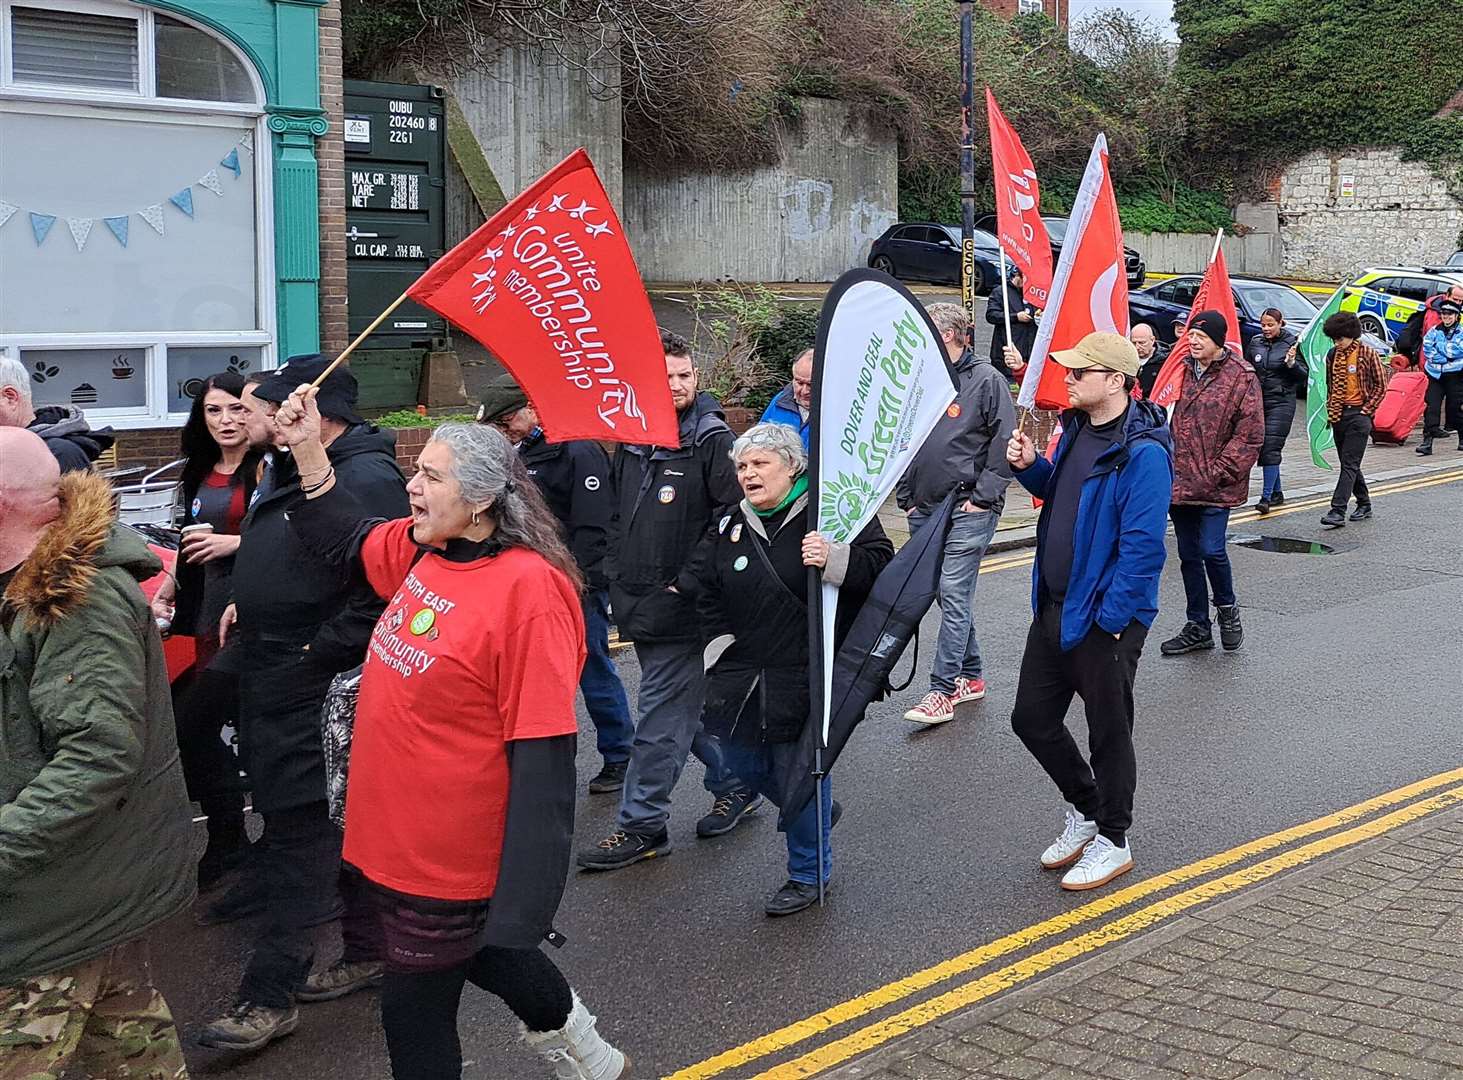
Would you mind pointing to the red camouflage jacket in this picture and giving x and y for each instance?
(1218, 425)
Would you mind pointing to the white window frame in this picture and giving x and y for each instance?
(144, 106)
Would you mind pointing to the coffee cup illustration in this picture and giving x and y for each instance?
(121, 367)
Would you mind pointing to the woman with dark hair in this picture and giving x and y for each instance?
(218, 479)
(1356, 382)
(459, 809)
(1281, 373)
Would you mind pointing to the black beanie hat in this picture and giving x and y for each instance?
(1213, 324)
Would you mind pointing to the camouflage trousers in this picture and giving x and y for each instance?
(102, 1019)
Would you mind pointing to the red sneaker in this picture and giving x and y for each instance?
(967, 690)
(934, 708)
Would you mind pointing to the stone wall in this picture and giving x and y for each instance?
(808, 218)
(1346, 210)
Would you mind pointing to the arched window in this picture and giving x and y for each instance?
(136, 240)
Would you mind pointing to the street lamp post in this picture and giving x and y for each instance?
(967, 166)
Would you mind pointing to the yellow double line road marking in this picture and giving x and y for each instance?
(867, 1038)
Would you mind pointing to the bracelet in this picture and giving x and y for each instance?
(317, 472)
(308, 491)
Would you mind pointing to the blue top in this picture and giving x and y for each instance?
(783, 409)
(1122, 516)
(1442, 352)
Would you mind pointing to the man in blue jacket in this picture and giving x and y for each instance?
(793, 404)
(1099, 554)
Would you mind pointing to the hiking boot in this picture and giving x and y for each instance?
(935, 707)
(610, 778)
(243, 899)
(1100, 863)
(1334, 519)
(577, 1051)
(1231, 633)
(1263, 506)
(1425, 448)
(620, 849)
(792, 898)
(967, 690)
(1191, 638)
(1362, 513)
(1066, 849)
(1277, 498)
(249, 1027)
(341, 978)
(727, 812)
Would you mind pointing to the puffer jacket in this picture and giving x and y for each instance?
(1218, 426)
(94, 820)
(69, 437)
(1443, 351)
(1278, 384)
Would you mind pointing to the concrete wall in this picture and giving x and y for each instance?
(1188, 253)
(1342, 211)
(809, 218)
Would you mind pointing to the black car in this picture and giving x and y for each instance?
(1159, 305)
(1056, 231)
(927, 251)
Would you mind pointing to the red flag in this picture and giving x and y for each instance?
(1019, 227)
(1090, 289)
(550, 287)
(1214, 294)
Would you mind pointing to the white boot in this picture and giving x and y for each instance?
(576, 1050)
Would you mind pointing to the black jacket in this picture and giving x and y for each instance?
(286, 593)
(188, 598)
(1278, 384)
(757, 691)
(69, 437)
(1148, 372)
(669, 498)
(575, 480)
(1023, 334)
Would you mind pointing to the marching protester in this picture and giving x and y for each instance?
(1099, 555)
(754, 614)
(1442, 352)
(574, 480)
(1281, 373)
(793, 404)
(459, 810)
(1356, 382)
(1023, 325)
(218, 480)
(964, 452)
(63, 427)
(94, 819)
(669, 500)
(1218, 425)
(1151, 355)
(295, 621)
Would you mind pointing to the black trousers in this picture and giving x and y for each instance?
(1449, 388)
(203, 703)
(1101, 670)
(1351, 433)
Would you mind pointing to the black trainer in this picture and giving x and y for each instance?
(620, 849)
(1425, 448)
(610, 778)
(792, 898)
(1334, 519)
(1263, 506)
(1231, 633)
(1191, 638)
(727, 812)
(1362, 513)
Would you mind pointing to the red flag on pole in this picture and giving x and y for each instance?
(550, 287)
(1019, 228)
(1090, 288)
(1214, 294)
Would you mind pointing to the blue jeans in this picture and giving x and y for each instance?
(1199, 532)
(760, 767)
(957, 652)
(668, 728)
(604, 694)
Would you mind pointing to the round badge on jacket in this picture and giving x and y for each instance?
(197, 506)
(666, 494)
(953, 412)
(422, 621)
(740, 564)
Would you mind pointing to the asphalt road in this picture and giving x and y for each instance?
(1346, 687)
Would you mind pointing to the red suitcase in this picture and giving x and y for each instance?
(1401, 409)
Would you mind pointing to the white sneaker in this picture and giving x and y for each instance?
(1067, 848)
(1100, 863)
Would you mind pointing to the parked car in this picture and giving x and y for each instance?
(1056, 231)
(1159, 305)
(1385, 297)
(927, 251)
(1456, 259)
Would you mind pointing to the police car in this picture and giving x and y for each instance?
(1385, 297)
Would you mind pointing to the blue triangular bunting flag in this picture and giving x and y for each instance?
(231, 162)
(40, 225)
(184, 201)
(118, 225)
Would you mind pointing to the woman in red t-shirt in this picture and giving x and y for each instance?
(459, 809)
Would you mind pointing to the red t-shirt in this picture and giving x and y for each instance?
(466, 657)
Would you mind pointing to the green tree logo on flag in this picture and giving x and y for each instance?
(846, 499)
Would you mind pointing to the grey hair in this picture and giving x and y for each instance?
(950, 318)
(488, 470)
(780, 439)
(13, 373)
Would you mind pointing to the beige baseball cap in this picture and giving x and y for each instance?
(1112, 352)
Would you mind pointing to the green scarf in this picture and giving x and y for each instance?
(799, 488)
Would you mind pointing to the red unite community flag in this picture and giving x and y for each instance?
(1019, 227)
(549, 286)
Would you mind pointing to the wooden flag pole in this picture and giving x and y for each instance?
(362, 336)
